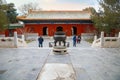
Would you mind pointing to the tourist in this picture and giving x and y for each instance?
(74, 41)
(40, 40)
(79, 39)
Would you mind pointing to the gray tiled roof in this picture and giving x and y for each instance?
(58, 15)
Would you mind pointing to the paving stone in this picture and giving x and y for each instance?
(57, 71)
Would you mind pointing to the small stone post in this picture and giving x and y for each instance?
(23, 38)
(15, 40)
(119, 35)
(119, 39)
(102, 39)
(95, 37)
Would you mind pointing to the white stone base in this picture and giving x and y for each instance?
(59, 50)
(57, 71)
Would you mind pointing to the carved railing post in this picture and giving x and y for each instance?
(15, 40)
(102, 39)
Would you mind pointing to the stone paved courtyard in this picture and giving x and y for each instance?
(89, 63)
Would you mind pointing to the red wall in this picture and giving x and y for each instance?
(81, 28)
(38, 28)
(2, 32)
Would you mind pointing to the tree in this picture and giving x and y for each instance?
(25, 31)
(11, 13)
(24, 9)
(3, 20)
(108, 18)
(90, 9)
(8, 15)
(97, 19)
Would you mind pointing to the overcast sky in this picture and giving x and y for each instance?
(58, 4)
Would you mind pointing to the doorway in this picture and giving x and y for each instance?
(45, 31)
(74, 30)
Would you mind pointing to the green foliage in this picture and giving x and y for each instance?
(90, 9)
(8, 15)
(3, 20)
(11, 13)
(89, 40)
(108, 18)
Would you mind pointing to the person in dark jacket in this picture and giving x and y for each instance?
(40, 40)
(79, 39)
(74, 41)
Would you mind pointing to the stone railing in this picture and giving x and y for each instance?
(106, 42)
(12, 42)
(111, 42)
(6, 42)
